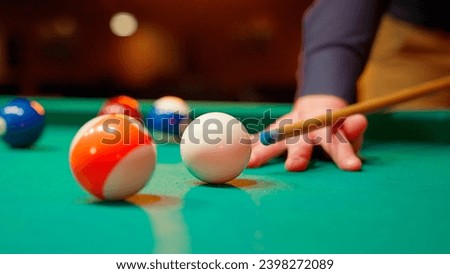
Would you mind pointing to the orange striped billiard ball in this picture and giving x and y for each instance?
(112, 156)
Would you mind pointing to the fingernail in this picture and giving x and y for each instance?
(353, 164)
(296, 164)
(252, 162)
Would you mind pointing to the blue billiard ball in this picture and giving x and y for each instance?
(168, 116)
(21, 122)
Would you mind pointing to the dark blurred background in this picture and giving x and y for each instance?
(240, 50)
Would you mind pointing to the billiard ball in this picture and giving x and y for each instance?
(122, 104)
(215, 147)
(22, 122)
(112, 156)
(168, 118)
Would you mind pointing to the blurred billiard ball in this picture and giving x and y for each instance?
(121, 104)
(168, 118)
(22, 122)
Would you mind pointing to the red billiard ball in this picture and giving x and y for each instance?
(112, 156)
(122, 104)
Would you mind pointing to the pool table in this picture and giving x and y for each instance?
(398, 203)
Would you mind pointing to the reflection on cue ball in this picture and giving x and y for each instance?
(215, 147)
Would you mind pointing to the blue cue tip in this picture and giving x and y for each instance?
(268, 137)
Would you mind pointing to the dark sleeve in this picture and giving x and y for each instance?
(337, 37)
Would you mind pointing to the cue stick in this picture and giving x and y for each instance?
(269, 137)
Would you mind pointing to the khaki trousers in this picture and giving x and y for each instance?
(402, 56)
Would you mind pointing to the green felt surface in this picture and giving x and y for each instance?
(398, 203)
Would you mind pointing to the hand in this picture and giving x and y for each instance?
(341, 142)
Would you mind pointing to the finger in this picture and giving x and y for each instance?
(341, 152)
(261, 154)
(354, 126)
(299, 154)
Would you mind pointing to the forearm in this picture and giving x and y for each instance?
(337, 37)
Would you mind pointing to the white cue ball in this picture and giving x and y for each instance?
(215, 147)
